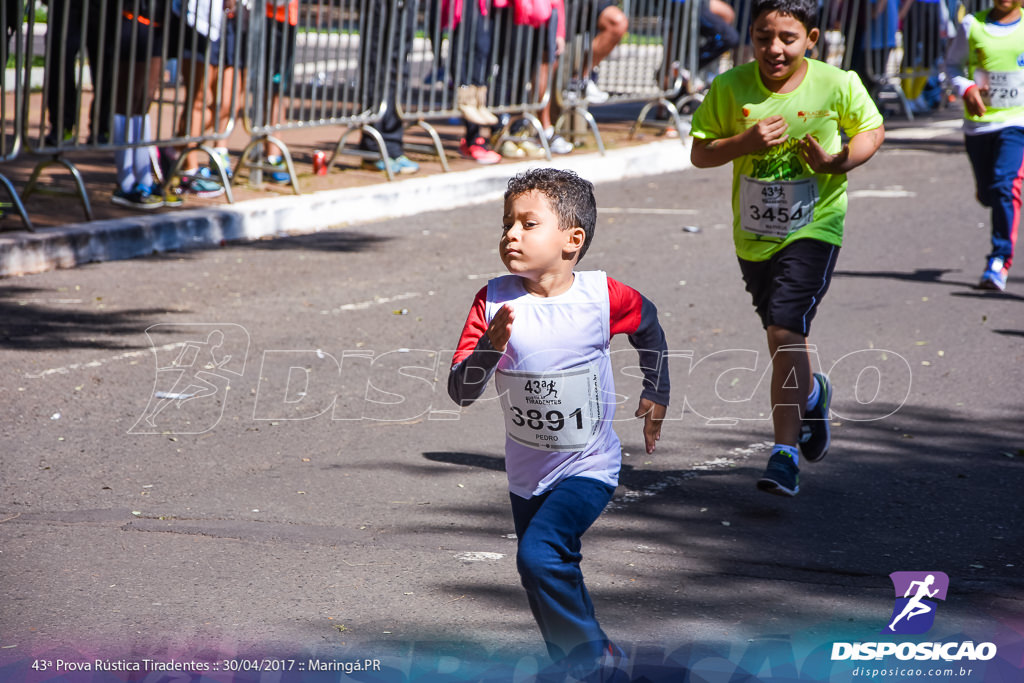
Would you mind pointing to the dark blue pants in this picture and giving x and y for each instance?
(550, 528)
(717, 36)
(998, 161)
(374, 50)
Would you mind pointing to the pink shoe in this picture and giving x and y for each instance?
(479, 152)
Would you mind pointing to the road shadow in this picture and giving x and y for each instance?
(977, 293)
(931, 275)
(342, 241)
(31, 321)
(922, 488)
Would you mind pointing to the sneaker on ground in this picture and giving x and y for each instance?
(279, 172)
(511, 150)
(479, 152)
(815, 432)
(401, 165)
(781, 477)
(995, 274)
(559, 145)
(594, 94)
(200, 184)
(139, 198)
(532, 149)
(171, 199)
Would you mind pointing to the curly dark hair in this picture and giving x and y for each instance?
(571, 197)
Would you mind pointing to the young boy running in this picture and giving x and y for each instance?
(543, 331)
(778, 119)
(992, 43)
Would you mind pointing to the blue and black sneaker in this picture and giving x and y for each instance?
(781, 477)
(815, 432)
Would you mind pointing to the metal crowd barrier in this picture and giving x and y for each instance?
(871, 38)
(459, 57)
(651, 63)
(362, 64)
(308, 67)
(126, 45)
(12, 108)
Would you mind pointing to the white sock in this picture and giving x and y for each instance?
(123, 162)
(142, 160)
(812, 400)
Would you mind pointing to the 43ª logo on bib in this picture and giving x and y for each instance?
(557, 411)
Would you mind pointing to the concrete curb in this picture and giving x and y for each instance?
(23, 253)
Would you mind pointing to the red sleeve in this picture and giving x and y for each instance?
(475, 327)
(626, 308)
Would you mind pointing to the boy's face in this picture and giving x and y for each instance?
(532, 243)
(1005, 7)
(780, 42)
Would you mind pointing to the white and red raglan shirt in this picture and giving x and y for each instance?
(554, 379)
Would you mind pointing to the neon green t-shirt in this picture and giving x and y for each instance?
(776, 198)
(996, 62)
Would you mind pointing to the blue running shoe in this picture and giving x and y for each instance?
(781, 477)
(201, 184)
(279, 174)
(815, 432)
(401, 165)
(994, 277)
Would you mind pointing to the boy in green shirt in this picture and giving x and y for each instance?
(778, 120)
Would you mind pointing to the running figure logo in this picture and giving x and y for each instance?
(192, 375)
(914, 609)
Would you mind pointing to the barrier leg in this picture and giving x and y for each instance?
(378, 139)
(218, 164)
(591, 123)
(33, 183)
(259, 165)
(438, 148)
(16, 203)
(668, 105)
(255, 168)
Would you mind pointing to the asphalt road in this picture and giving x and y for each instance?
(320, 496)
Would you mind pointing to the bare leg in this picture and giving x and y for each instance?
(791, 382)
(611, 26)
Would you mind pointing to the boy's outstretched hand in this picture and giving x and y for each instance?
(500, 329)
(653, 414)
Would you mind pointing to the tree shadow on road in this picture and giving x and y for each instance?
(924, 488)
(30, 320)
(934, 275)
(329, 240)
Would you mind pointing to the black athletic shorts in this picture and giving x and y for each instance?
(787, 288)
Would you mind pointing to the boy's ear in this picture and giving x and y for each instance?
(812, 36)
(574, 239)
